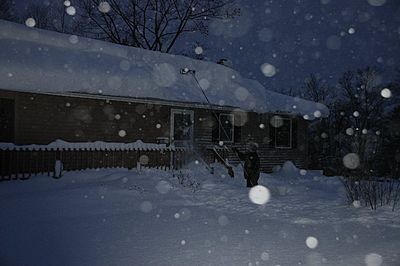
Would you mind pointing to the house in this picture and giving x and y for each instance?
(57, 86)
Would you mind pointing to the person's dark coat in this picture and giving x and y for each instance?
(251, 167)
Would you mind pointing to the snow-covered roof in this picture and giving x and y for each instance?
(37, 60)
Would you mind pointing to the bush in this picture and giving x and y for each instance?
(187, 181)
(372, 192)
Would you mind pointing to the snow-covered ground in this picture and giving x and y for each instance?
(126, 217)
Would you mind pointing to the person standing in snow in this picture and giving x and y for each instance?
(251, 166)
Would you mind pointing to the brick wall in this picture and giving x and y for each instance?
(41, 119)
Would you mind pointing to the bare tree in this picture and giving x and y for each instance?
(358, 107)
(6, 10)
(364, 110)
(150, 24)
(325, 145)
(51, 17)
(40, 13)
(316, 90)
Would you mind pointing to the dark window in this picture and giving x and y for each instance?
(282, 133)
(237, 133)
(7, 120)
(294, 133)
(183, 126)
(226, 128)
(234, 131)
(215, 128)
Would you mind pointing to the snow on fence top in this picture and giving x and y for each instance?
(43, 61)
(97, 145)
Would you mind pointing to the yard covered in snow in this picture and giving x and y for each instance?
(126, 217)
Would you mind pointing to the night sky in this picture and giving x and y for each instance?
(299, 37)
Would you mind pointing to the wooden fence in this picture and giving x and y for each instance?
(24, 163)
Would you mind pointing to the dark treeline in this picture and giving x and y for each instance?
(364, 120)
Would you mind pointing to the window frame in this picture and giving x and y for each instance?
(232, 124)
(290, 134)
(172, 130)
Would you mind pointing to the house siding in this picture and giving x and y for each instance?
(269, 155)
(42, 118)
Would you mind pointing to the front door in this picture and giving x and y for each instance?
(182, 127)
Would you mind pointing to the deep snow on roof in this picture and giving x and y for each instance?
(37, 60)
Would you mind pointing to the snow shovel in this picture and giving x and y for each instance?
(227, 166)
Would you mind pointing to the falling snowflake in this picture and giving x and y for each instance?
(73, 39)
(241, 93)
(386, 93)
(146, 206)
(70, 10)
(30, 22)
(317, 114)
(376, 2)
(144, 159)
(268, 70)
(311, 242)
(265, 35)
(373, 259)
(350, 131)
(122, 133)
(163, 187)
(351, 161)
(204, 84)
(259, 195)
(104, 7)
(125, 65)
(198, 50)
(265, 256)
(223, 220)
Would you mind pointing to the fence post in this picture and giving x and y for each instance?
(15, 164)
(3, 167)
(30, 153)
(138, 166)
(171, 160)
(48, 161)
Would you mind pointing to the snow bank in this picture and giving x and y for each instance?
(97, 145)
(131, 217)
(42, 61)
